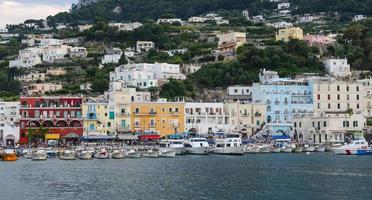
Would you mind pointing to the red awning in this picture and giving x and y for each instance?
(149, 137)
(23, 140)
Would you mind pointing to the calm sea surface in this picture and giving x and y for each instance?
(262, 176)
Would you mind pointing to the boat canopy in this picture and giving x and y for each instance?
(71, 136)
(149, 137)
(127, 137)
(176, 136)
(98, 137)
(279, 138)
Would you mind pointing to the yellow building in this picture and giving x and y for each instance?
(289, 33)
(161, 117)
(96, 118)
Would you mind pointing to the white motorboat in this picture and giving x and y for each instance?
(174, 144)
(287, 149)
(67, 154)
(265, 148)
(117, 154)
(333, 147)
(85, 155)
(102, 153)
(39, 155)
(252, 149)
(198, 146)
(320, 149)
(150, 154)
(230, 145)
(167, 153)
(133, 154)
(298, 149)
(309, 148)
(275, 150)
(356, 147)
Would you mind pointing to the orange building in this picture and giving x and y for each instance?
(163, 118)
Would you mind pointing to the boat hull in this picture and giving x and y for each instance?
(150, 154)
(133, 155)
(197, 150)
(10, 157)
(118, 155)
(85, 156)
(39, 157)
(167, 153)
(229, 150)
(67, 157)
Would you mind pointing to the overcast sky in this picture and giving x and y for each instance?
(17, 11)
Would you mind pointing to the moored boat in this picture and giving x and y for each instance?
(102, 153)
(39, 155)
(356, 147)
(67, 155)
(198, 146)
(133, 154)
(9, 155)
(287, 149)
(309, 148)
(150, 153)
(320, 149)
(167, 153)
(175, 144)
(117, 154)
(85, 155)
(230, 145)
(252, 149)
(298, 149)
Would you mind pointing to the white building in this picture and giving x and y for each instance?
(112, 56)
(9, 123)
(359, 17)
(238, 90)
(337, 67)
(173, 52)
(282, 6)
(267, 76)
(245, 13)
(367, 96)
(281, 24)
(197, 19)
(144, 46)
(145, 75)
(170, 21)
(32, 77)
(77, 52)
(206, 118)
(246, 117)
(126, 26)
(327, 127)
(85, 27)
(3, 30)
(27, 58)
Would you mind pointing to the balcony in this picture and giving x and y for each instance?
(153, 113)
(122, 114)
(175, 113)
(257, 114)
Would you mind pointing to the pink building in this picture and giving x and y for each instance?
(320, 41)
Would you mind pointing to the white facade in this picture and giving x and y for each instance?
(197, 19)
(282, 6)
(33, 76)
(173, 52)
(238, 90)
(144, 46)
(367, 96)
(77, 52)
(9, 123)
(328, 127)
(359, 17)
(170, 21)
(337, 67)
(85, 27)
(145, 75)
(112, 56)
(281, 24)
(206, 118)
(268, 77)
(27, 58)
(126, 26)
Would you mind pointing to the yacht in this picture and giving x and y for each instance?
(356, 147)
(102, 153)
(67, 154)
(230, 145)
(131, 153)
(199, 146)
(39, 154)
(167, 153)
(174, 144)
(85, 155)
(117, 154)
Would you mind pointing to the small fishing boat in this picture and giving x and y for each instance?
(356, 147)
(67, 154)
(51, 153)
(167, 153)
(309, 148)
(9, 155)
(252, 149)
(287, 149)
(265, 148)
(85, 155)
(102, 153)
(320, 149)
(150, 154)
(117, 154)
(39, 155)
(133, 154)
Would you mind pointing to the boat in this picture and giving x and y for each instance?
(287, 149)
(167, 153)
(265, 148)
(117, 154)
(333, 147)
(85, 155)
(275, 150)
(9, 155)
(356, 147)
(175, 144)
(230, 145)
(67, 154)
(39, 155)
(51, 153)
(198, 146)
(309, 148)
(102, 153)
(150, 154)
(320, 149)
(298, 149)
(252, 149)
(133, 154)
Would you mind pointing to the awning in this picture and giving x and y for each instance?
(127, 137)
(71, 136)
(98, 137)
(176, 136)
(10, 137)
(149, 137)
(280, 138)
(52, 136)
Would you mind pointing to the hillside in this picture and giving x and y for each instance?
(152, 9)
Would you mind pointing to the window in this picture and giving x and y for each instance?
(299, 124)
(355, 123)
(176, 110)
(137, 110)
(338, 88)
(338, 97)
(357, 96)
(338, 106)
(329, 97)
(357, 106)
(357, 88)
(318, 97)
(347, 88)
(347, 97)
(170, 110)
(329, 106)
(324, 124)
(108, 124)
(318, 105)
(295, 124)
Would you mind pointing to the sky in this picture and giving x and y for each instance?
(17, 11)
